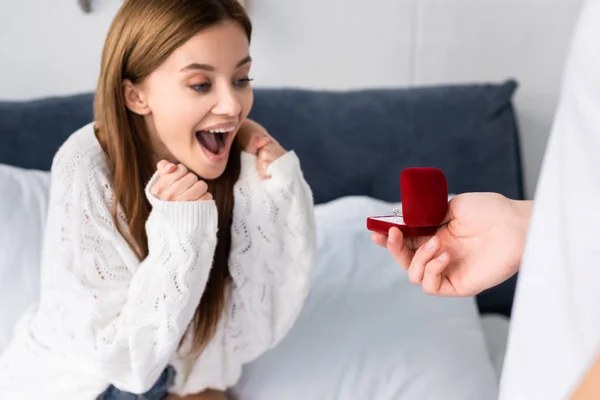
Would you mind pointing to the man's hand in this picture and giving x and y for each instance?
(478, 247)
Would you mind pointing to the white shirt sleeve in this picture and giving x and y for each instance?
(555, 327)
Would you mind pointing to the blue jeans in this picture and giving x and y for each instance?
(157, 392)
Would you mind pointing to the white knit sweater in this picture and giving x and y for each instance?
(105, 318)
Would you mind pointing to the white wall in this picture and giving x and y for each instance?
(52, 48)
(49, 47)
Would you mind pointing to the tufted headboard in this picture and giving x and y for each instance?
(349, 142)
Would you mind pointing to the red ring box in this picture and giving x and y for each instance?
(424, 194)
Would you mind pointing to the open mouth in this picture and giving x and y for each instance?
(213, 141)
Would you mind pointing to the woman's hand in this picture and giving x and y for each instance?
(255, 140)
(478, 247)
(247, 130)
(176, 183)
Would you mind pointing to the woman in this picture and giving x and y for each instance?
(172, 257)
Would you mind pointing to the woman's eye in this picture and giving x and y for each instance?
(201, 87)
(243, 82)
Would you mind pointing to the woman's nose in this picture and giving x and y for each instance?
(227, 102)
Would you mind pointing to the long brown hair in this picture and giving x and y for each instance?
(143, 34)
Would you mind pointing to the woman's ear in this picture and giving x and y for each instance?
(135, 99)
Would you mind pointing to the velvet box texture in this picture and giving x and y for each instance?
(424, 195)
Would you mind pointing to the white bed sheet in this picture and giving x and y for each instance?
(366, 332)
(495, 328)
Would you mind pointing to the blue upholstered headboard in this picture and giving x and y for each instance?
(349, 143)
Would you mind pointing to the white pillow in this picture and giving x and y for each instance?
(23, 203)
(367, 333)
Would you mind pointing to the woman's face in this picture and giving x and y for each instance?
(195, 102)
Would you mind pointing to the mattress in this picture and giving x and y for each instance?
(495, 329)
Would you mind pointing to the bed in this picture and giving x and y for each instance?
(365, 332)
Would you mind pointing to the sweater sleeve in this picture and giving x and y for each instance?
(272, 255)
(126, 318)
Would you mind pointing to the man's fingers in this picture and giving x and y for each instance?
(423, 255)
(379, 239)
(433, 274)
(398, 249)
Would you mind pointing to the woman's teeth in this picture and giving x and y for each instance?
(221, 130)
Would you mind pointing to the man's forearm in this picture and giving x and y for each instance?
(206, 395)
(589, 387)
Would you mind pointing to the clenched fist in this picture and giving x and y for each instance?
(176, 183)
(267, 150)
(255, 140)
